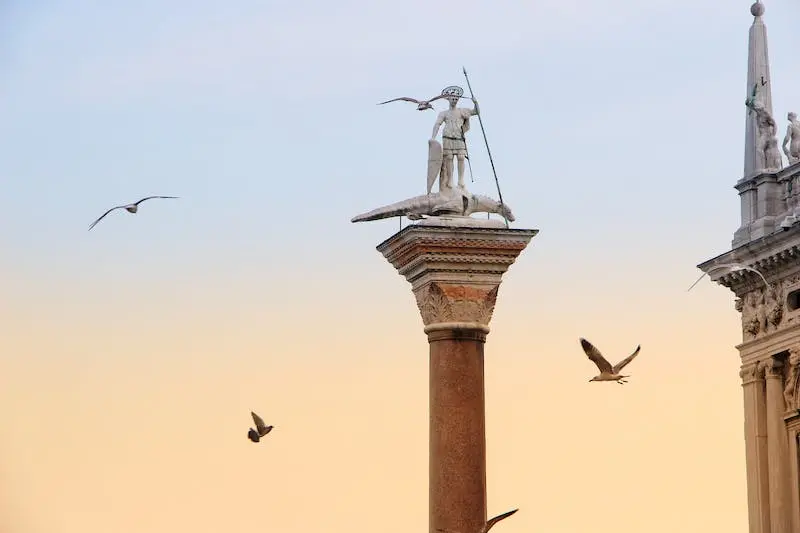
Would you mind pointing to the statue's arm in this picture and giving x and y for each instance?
(437, 125)
(787, 139)
(477, 109)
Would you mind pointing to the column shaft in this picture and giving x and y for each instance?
(755, 440)
(778, 450)
(457, 469)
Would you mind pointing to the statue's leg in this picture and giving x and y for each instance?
(446, 180)
(461, 170)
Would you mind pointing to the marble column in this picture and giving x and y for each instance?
(755, 442)
(455, 274)
(778, 450)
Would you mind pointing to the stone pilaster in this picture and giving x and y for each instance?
(777, 449)
(455, 274)
(755, 441)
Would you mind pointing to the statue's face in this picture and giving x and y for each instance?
(453, 100)
(791, 116)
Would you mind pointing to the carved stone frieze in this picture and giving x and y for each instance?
(440, 302)
(764, 310)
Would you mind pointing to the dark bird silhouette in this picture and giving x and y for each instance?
(422, 105)
(260, 430)
(607, 372)
(130, 208)
(488, 525)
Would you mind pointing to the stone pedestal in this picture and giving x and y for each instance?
(455, 273)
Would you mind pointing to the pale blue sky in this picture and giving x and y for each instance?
(616, 126)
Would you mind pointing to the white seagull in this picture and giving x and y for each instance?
(730, 267)
(130, 208)
(607, 372)
(488, 525)
(422, 105)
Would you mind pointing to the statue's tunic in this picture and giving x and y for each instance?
(456, 123)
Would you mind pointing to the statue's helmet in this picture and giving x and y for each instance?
(453, 91)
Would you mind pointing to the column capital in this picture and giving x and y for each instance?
(455, 272)
(773, 368)
(751, 373)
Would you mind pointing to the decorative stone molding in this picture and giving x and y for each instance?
(751, 373)
(447, 303)
(455, 272)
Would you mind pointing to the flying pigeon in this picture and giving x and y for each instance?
(607, 372)
(488, 525)
(730, 267)
(260, 430)
(422, 105)
(130, 208)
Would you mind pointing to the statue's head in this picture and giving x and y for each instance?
(791, 116)
(452, 94)
(505, 211)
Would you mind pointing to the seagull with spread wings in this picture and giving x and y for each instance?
(730, 267)
(607, 372)
(488, 525)
(260, 430)
(422, 105)
(130, 208)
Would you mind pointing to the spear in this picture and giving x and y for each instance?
(480, 121)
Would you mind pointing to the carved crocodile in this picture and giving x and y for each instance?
(459, 202)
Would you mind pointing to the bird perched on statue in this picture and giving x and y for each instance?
(260, 430)
(607, 372)
(422, 105)
(130, 208)
(488, 525)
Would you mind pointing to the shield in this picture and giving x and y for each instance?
(434, 161)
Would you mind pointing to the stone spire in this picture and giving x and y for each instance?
(757, 73)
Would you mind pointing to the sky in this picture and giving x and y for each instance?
(131, 355)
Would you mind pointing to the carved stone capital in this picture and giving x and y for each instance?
(773, 368)
(751, 373)
(455, 272)
(447, 303)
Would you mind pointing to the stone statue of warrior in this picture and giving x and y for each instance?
(456, 124)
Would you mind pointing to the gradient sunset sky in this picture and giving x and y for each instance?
(131, 355)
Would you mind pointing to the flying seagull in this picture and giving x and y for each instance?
(607, 372)
(422, 105)
(730, 267)
(130, 208)
(488, 525)
(260, 430)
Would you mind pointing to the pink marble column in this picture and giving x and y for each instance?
(455, 274)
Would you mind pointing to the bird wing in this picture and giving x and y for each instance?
(260, 425)
(404, 98)
(492, 521)
(437, 98)
(737, 266)
(151, 197)
(103, 215)
(622, 364)
(696, 282)
(596, 357)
